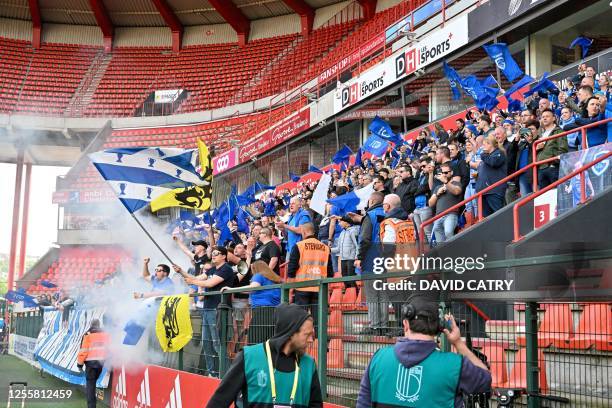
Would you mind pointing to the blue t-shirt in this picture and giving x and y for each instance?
(299, 218)
(270, 297)
(166, 286)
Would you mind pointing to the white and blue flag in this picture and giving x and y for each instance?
(141, 174)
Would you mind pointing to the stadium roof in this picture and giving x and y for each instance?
(152, 13)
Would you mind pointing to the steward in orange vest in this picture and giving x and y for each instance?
(92, 355)
(310, 259)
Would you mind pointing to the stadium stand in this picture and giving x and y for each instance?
(80, 267)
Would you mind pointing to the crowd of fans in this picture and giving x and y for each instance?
(424, 178)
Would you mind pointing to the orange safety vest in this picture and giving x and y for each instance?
(93, 347)
(313, 262)
(405, 241)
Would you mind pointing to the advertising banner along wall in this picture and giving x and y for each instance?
(406, 61)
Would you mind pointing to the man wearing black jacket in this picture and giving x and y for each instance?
(250, 372)
(423, 211)
(406, 188)
(511, 149)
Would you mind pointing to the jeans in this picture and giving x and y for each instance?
(419, 216)
(334, 257)
(491, 203)
(525, 186)
(547, 176)
(444, 228)
(210, 341)
(472, 205)
(377, 302)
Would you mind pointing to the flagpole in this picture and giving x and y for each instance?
(212, 232)
(152, 240)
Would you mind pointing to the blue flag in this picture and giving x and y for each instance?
(241, 221)
(294, 177)
(342, 155)
(484, 96)
(514, 105)
(16, 296)
(48, 284)
(270, 208)
(358, 161)
(315, 169)
(133, 333)
(353, 200)
(382, 129)
(544, 84)
(453, 79)
(375, 145)
(524, 81)
(500, 54)
(584, 44)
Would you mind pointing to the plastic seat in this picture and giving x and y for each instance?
(518, 375)
(594, 329)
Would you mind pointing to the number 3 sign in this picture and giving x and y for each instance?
(544, 208)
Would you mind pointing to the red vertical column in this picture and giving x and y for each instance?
(15, 227)
(24, 220)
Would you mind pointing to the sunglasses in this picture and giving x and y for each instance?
(159, 270)
(216, 253)
(446, 172)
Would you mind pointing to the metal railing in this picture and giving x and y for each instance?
(531, 166)
(522, 202)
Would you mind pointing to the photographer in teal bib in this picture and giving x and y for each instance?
(277, 373)
(414, 373)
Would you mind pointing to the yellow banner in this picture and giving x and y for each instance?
(193, 197)
(206, 169)
(173, 325)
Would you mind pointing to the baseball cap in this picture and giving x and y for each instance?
(508, 121)
(200, 242)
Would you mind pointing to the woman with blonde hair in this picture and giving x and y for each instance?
(492, 168)
(263, 302)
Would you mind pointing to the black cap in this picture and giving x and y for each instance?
(347, 219)
(200, 242)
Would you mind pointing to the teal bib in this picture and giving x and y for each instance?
(431, 383)
(259, 391)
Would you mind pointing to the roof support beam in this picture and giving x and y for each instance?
(306, 13)
(36, 23)
(172, 21)
(369, 8)
(104, 22)
(234, 17)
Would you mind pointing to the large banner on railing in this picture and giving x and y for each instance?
(59, 342)
(153, 386)
(406, 61)
(597, 178)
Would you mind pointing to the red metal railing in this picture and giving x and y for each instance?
(523, 201)
(583, 133)
(478, 196)
(534, 166)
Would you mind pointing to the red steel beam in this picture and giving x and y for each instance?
(306, 12)
(104, 22)
(172, 21)
(36, 23)
(24, 220)
(15, 226)
(369, 8)
(232, 14)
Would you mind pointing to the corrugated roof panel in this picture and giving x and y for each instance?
(15, 9)
(257, 10)
(135, 13)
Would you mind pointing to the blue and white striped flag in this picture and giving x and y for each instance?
(139, 175)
